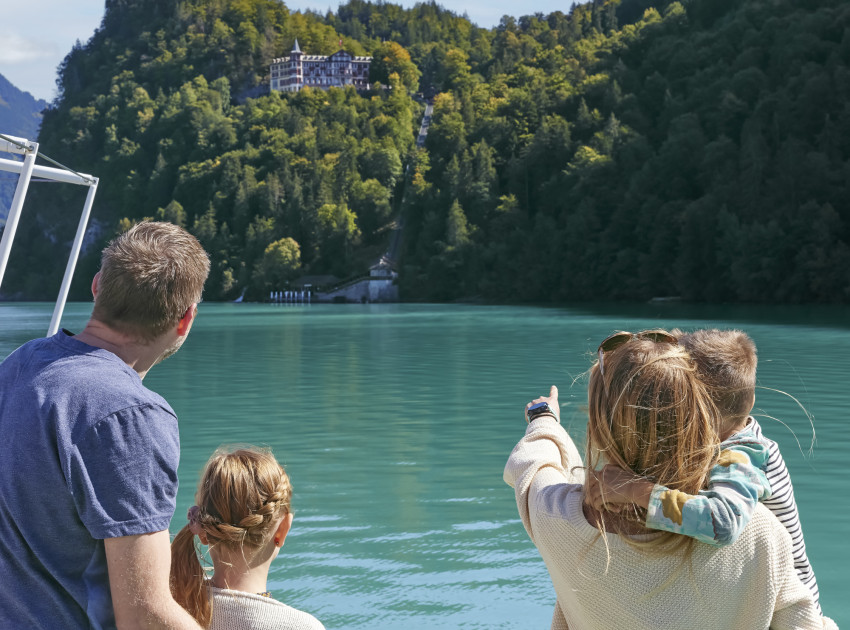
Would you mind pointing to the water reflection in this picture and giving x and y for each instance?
(394, 423)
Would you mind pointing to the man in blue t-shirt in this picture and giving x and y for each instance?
(88, 455)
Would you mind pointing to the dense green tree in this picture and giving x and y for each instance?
(392, 58)
(280, 264)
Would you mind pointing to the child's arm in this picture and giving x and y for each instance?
(715, 516)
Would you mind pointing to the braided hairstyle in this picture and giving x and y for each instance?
(242, 495)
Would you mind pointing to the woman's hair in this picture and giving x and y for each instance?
(651, 414)
(242, 494)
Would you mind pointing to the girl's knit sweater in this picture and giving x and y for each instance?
(236, 610)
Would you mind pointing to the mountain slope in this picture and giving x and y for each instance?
(20, 115)
(695, 152)
(624, 150)
(274, 187)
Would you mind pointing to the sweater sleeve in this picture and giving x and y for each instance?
(546, 451)
(558, 621)
(718, 514)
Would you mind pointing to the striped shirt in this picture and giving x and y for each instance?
(784, 507)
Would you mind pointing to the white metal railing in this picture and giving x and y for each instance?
(26, 170)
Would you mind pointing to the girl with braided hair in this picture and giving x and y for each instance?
(243, 514)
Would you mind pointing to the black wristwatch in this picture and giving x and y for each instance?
(538, 409)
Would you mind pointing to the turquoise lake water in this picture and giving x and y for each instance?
(395, 421)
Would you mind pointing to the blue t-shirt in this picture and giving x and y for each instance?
(86, 453)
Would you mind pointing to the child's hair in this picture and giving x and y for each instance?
(242, 494)
(648, 412)
(726, 361)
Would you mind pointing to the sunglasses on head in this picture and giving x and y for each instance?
(619, 338)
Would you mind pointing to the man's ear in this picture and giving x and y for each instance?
(282, 530)
(186, 321)
(94, 282)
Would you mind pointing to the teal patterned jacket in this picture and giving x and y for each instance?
(717, 515)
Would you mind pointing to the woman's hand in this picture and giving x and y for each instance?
(613, 487)
(551, 400)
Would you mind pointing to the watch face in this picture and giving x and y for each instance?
(537, 409)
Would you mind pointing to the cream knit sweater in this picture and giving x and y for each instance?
(236, 610)
(748, 585)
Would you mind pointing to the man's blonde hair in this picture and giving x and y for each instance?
(651, 414)
(149, 277)
(726, 361)
(242, 494)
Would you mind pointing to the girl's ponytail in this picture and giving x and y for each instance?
(188, 586)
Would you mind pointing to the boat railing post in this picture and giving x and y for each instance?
(72, 261)
(30, 152)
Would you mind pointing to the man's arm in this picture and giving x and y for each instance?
(139, 569)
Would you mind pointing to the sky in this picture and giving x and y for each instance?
(35, 35)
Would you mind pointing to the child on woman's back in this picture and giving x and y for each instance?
(243, 514)
(749, 469)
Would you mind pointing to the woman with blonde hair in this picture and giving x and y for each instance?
(243, 513)
(648, 412)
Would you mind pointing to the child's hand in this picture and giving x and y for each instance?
(613, 487)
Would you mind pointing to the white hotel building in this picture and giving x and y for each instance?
(290, 74)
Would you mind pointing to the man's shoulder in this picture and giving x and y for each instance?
(104, 393)
(54, 354)
(114, 383)
(75, 380)
(22, 354)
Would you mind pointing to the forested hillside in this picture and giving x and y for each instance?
(155, 105)
(624, 150)
(700, 151)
